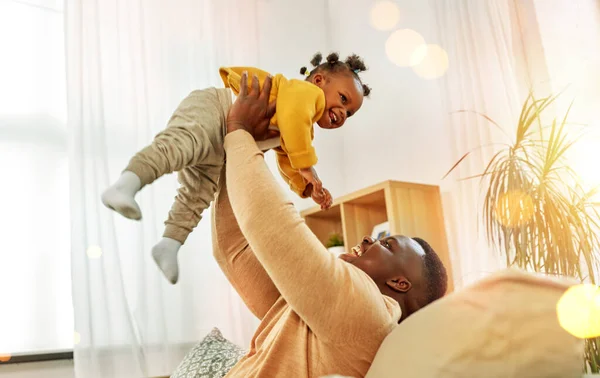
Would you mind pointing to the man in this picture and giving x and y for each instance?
(319, 315)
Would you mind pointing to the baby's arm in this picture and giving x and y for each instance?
(322, 198)
(298, 183)
(315, 189)
(299, 105)
(310, 175)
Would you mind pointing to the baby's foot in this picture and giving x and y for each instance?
(120, 196)
(122, 203)
(165, 256)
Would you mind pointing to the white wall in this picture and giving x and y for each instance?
(402, 131)
(294, 36)
(399, 133)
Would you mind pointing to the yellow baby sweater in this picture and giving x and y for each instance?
(299, 105)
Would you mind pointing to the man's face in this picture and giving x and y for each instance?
(388, 258)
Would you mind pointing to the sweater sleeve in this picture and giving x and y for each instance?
(299, 105)
(338, 301)
(232, 76)
(237, 260)
(290, 175)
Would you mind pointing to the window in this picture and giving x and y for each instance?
(573, 58)
(35, 277)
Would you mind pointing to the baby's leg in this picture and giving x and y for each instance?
(197, 190)
(173, 149)
(198, 181)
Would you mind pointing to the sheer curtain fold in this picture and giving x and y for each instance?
(494, 61)
(128, 66)
(498, 53)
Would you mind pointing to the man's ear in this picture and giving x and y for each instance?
(399, 284)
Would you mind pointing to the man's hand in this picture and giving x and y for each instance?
(251, 110)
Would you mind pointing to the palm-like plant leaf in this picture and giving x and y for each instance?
(535, 211)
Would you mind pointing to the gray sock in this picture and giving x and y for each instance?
(165, 256)
(120, 197)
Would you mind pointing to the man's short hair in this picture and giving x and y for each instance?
(435, 272)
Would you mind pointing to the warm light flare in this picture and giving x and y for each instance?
(435, 63)
(514, 208)
(94, 252)
(405, 48)
(76, 338)
(578, 311)
(385, 15)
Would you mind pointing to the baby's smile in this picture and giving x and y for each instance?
(333, 118)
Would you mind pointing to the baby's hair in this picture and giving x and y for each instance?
(353, 64)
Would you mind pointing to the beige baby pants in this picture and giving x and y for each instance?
(192, 145)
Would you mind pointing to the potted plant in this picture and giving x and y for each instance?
(535, 210)
(335, 244)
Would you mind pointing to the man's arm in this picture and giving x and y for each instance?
(338, 301)
(237, 260)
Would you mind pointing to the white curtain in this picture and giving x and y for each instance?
(36, 311)
(129, 63)
(495, 57)
(498, 52)
(573, 60)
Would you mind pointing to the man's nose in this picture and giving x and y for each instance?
(368, 240)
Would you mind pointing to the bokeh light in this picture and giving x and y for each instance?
(434, 64)
(385, 15)
(76, 338)
(94, 252)
(404, 48)
(578, 311)
(5, 357)
(514, 208)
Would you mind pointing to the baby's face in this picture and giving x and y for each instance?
(343, 98)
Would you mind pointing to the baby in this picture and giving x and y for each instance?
(192, 144)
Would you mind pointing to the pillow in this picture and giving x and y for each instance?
(213, 357)
(504, 326)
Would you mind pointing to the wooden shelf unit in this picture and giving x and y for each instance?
(411, 209)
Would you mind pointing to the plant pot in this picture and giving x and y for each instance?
(337, 250)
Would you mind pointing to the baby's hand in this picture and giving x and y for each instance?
(322, 198)
(310, 175)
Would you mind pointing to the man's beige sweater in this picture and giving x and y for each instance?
(319, 315)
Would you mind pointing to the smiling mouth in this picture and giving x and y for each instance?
(333, 118)
(357, 251)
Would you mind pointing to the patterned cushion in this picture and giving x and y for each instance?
(213, 357)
